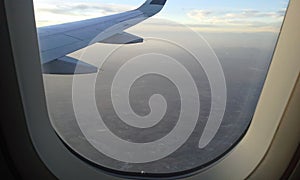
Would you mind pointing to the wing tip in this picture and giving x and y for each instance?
(152, 7)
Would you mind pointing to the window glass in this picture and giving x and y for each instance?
(150, 91)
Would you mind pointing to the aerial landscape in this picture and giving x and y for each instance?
(200, 66)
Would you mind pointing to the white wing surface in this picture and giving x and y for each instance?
(59, 40)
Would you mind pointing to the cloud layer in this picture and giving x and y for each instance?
(48, 14)
(247, 19)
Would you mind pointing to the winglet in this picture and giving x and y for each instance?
(152, 7)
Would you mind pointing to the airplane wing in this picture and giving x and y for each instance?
(57, 41)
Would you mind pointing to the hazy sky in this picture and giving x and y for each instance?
(207, 15)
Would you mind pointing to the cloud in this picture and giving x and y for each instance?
(248, 14)
(239, 19)
(199, 13)
(48, 14)
(83, 8)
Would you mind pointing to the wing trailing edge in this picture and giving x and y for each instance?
(123, 38)
(68, 66)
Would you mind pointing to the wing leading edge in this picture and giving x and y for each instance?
(59, 40)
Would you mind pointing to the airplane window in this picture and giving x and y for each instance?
(156, 87)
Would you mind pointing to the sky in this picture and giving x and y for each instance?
(202, 15)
